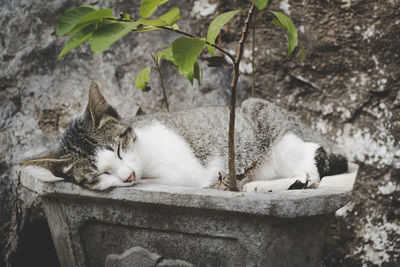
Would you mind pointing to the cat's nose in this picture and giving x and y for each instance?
(131, 178)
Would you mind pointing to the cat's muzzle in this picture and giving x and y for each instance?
(131, 178)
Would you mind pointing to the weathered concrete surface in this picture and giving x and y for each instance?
(348, 89)
(205, 227)
(330, 196)
(138, 256)
(174, 263)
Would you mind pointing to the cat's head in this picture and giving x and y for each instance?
(92, 149)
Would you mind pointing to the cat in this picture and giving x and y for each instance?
(99, 150)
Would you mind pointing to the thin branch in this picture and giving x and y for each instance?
(245, 32)
(253, 50)
(183, 33)
(210, 44)
(232, 106)
(162, 82)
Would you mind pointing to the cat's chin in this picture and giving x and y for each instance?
(128, 184)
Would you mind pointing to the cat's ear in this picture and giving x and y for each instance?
(58, 166)
(98, 110)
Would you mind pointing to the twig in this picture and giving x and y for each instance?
(253, 86)
(162, 82)
(183, 33)
(232, 106)
(210, 44)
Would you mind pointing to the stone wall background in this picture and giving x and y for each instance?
(348, 89)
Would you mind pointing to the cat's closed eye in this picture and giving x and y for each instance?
(113, 150)
(119, 151)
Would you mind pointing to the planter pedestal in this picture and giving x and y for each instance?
(203, 227)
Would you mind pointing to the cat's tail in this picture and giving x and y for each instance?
(330, 163)
(337, 164)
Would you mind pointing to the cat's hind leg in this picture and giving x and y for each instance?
(290, 157)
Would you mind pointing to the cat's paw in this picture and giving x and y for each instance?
(222, 181)
(298, 185)
(307, 183)
(281, 184)
(312, 182)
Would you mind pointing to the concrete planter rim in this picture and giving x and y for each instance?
(334, 192)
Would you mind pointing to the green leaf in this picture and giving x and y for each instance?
(261, 4)
(77, 38)
(165, 54)
(194, 73)
(107, 34)
(149, 6)
(185, 52)
(283, 21)
(167, 19)
(97, 14)
(71, 17)
(142, 78)
(216, 26)
(90, 18)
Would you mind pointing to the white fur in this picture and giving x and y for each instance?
(158, 153)
(161, 154)
(108, 161)
(289, 157)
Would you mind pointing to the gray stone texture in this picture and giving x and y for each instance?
(348, 89)
(136, 256)
(174, 263)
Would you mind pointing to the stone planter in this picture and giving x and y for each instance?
(177, 226)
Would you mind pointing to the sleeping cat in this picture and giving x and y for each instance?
(99, 150)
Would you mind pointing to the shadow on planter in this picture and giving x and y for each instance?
(197, 226)
(34, 246)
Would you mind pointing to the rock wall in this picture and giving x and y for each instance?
(347, 88)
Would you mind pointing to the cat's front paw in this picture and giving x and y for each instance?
(106, 181)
